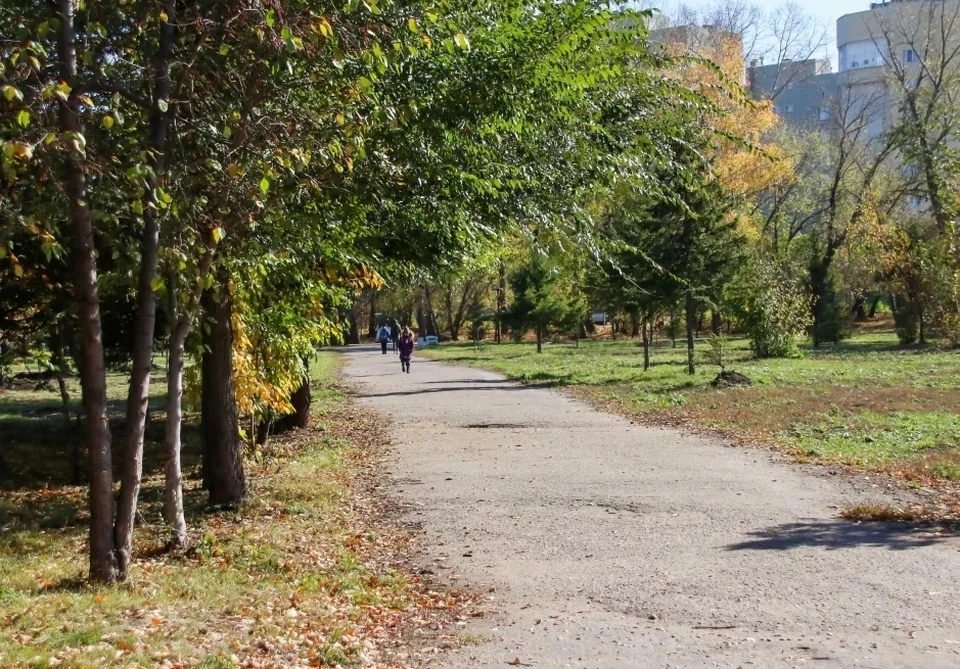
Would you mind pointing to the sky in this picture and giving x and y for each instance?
(826, 11)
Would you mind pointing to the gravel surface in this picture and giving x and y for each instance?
(605, 544)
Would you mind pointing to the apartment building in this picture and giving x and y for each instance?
(800, 90)
(879, 51)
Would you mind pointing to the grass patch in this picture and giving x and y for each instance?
(310, 572)
(866, 402)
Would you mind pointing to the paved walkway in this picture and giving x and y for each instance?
(610, 545)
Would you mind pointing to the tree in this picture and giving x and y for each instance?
(920, 45)
(537, 301)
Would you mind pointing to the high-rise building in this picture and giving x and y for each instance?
(879, 52)
(800, 90)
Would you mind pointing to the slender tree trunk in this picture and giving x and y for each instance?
(139, 393)
(923, 334)
(219, 423)
(873, 307)
(103, 555)
(691, 309)
(429, 315)
(716, 321)
(372, 323)
(501, 297)
(539, 340)
(646, 345)
(173, 474)
(57, 347)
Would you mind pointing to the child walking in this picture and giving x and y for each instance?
(406, 345)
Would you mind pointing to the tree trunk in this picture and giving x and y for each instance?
(60, 365)
(372, 323)
(858, 309)
(354, 328)
(646, 345)
(501, 297)
(691, 308)
(301, 400)
(103, 555)
(138, 396)
(539, 340)
(635, 324)
(923, 334)
(873, 307)
(219, 423)
(716, 321)
(421, 322)
(173, 475)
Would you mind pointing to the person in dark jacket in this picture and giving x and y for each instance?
(406, 345)
(395, 332)
(383, 338)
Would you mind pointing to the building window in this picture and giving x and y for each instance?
(910, 56)
(863, 53)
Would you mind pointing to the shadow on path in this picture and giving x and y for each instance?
(452, 389)
(837, 534)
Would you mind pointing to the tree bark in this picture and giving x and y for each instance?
(139, 392)
(372, 323)
(57, 346)
(103, 557)
(219, 422)
(354, 328)
(301, 401)
(873, 307)
(173, 474)
(716, 321)
(501, 297)
(539, 339)
(646, 345)
(691, 309)
(431, 318)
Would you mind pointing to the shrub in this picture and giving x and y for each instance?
(774, 311)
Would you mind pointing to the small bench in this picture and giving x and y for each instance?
(428, 341)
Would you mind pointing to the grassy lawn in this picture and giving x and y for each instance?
(866, 402)
(309, 573)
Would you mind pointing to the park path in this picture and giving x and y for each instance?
(608, 545)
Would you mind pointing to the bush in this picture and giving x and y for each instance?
(774, 312)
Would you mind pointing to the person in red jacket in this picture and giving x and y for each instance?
(406, 345)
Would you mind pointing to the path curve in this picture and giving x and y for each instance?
(609, 545)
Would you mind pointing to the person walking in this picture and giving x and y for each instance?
(383, 336)
(406, 345)
(395, 332)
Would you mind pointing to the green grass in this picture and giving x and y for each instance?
(865, 402)
(298, 544)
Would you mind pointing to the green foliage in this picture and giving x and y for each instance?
(718, 352)
(538, 302)
(773, 311)
(832, 314)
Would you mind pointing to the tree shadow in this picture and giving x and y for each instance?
(839, 534)
(488, 381)
(458, 388)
